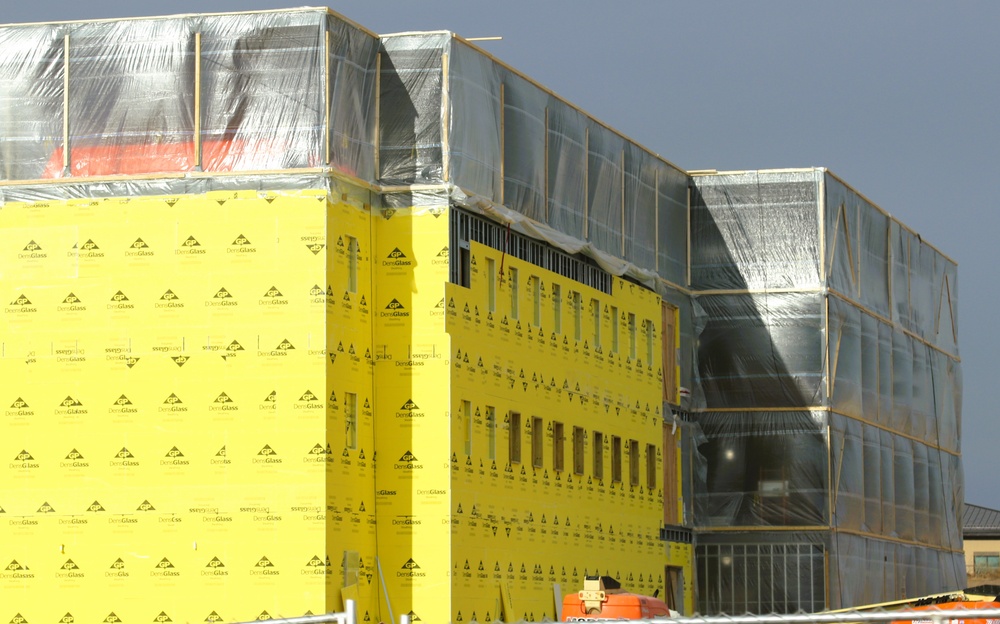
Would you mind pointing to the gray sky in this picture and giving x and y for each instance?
(898, 97)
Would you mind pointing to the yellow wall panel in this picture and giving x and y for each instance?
(167, 409)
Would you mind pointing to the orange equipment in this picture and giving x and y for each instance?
(603, 599)
(949, 608)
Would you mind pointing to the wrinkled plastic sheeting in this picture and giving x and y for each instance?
(925, 290)
(762, 350)
(892, 485)
(867, 252)
(888, 377)
(474, 132)
(525, 111)
(513, 143)
(31, 99)
(139, 187)
(410, 109)
(764, 469)
(131, 100)
(755, 230)
(866, 571)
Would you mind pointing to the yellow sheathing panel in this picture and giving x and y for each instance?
(524, 528)
(170, 438)
(412, 398)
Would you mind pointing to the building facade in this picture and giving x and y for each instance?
(299, 314)
(829, 370)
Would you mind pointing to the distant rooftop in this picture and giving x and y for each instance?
(980, 521)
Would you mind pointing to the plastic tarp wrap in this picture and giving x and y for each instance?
(919, 507)
(605, 192)
(131, 99)
(765, 469)
(762, 350)
(351, 111)
(138, 187)
(567, 161)
(525, 107)
(135, 103)
(410, 108)
(509, 142)
(474, 131)
(263, 93)
(857, 244)
(672, 224)
(640, 207)
(867, 335)
(31, 99)
(908, 571)
(755, 230)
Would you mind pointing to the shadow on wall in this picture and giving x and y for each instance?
(760, 357)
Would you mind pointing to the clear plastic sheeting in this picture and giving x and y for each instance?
(410, 105)
(524, 138)
(760, 350)
(474, 133)
(31, 99)
(765, 469)
(186, 185)
(253, 87)
(814, 299)
(921, 506)
(451, 114)
(907, 571)
(755, 230)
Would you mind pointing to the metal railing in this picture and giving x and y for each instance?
(927, 616)
(348, 616)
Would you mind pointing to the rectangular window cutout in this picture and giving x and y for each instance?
(465, 266)
(352, 264)
(536, 301)
(598, 455)
(351, 416)
(491, 432)
(514, 295)
(651, 466)
(537, 436)
(467, 426)
(491, 284)
(633, 462)
(614, 330)
(557, 306)
(558, 459)
(595, 313)
(577, 303)
(579, 441)
(631, 336)
(649, 342)
(514, 438)
(616, 459)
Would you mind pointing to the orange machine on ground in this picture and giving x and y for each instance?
(953, 610)
(602, 598)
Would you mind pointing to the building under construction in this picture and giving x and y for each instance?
(294, 314)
